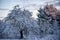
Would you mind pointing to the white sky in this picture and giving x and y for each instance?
(32, 5)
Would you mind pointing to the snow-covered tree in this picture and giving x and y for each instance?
(22, 21)
(48, 25)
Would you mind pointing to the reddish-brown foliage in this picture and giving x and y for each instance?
(51, 11)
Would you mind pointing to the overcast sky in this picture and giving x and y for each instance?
(32, 5)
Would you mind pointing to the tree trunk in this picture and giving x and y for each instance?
(21, 33)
